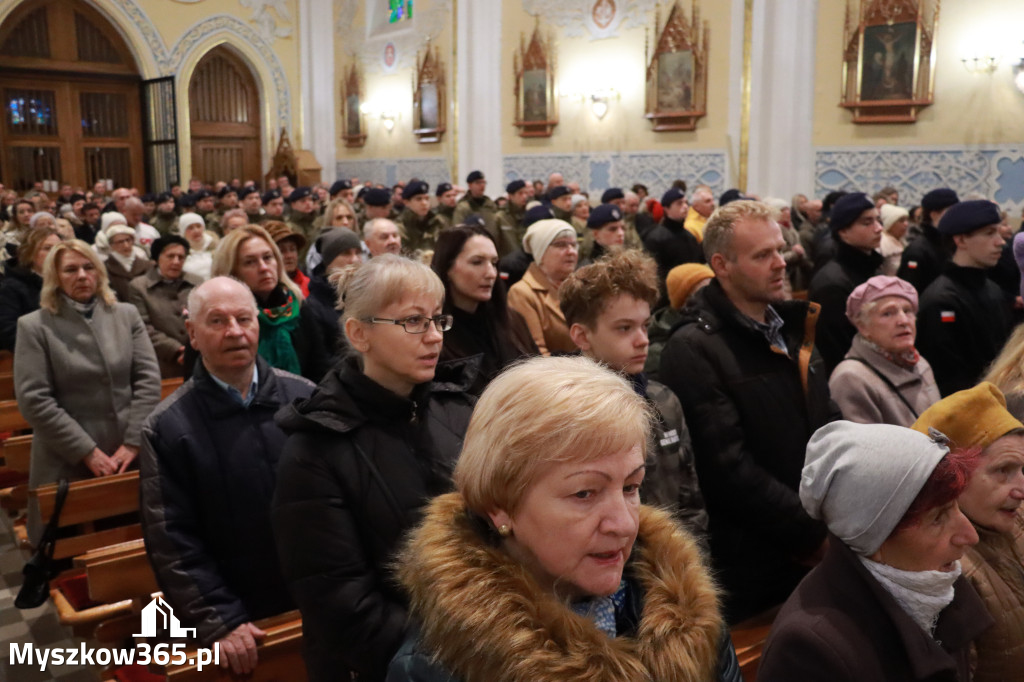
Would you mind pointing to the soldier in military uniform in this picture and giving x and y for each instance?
(377, 204)
(421, 225)
(616, 196)
(273, 205)
(476, 202)
(166, 217)
(342, 189)
(203, 201)
(510, 218)
(561, 203)
(301, 216)
(446, 199)
(250, 201)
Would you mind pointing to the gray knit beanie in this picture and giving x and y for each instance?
(860, 479)
(336, 241)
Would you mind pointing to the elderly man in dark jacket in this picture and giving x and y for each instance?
(208, 470)
(753, 390)
(857, 232)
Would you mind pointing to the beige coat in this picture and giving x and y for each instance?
(995, 568)
(534, 299)
(160, 304)
(865, 398)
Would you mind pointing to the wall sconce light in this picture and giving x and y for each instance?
(387, 118)
(976, 65)
(599, 100)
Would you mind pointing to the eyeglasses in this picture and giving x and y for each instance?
(417, 324)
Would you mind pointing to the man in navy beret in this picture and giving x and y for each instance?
(166, 216)
(377, 203)
(669, 242)
(301, 216)
(249, 201)
(606, 231)
(420, 224)
(273, 204)
(856, 232)
(511, 217)
(964, 319)
(560, 199)
(342, 189)
(447, 196)
(476, 201)
(927, 253)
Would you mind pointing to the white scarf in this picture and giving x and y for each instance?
(922, 594)
(126, 261)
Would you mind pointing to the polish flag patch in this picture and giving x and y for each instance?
(912, 264)
(947, 316)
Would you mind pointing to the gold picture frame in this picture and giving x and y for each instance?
(536, 112)
(677, 70)
(889, 59)
(429, 100)
(352, 125)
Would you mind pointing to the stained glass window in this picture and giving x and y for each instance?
(399, 10)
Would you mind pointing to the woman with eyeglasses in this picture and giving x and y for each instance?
(552, 243)
(376, 440)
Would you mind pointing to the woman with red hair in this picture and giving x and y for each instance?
(888, 602)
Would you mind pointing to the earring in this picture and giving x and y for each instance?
(504, 531)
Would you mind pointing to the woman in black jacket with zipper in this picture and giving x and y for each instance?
(377, 440)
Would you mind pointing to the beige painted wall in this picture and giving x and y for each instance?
(393, 91)
(619, 63)
(969, 109)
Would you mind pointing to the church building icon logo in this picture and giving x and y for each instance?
(157, 616)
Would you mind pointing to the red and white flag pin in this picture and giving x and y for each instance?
(947, 316)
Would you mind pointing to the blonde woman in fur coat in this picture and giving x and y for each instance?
(544, 566)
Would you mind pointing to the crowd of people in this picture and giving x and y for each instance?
(545, 436)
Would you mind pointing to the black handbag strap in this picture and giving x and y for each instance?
(888, 382)
(46, 542)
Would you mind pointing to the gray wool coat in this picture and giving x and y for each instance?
(863, 397)
(82, 385)
(160, 304)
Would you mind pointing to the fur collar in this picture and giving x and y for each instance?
(487, 619)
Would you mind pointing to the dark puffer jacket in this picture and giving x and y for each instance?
(208, 468)
(751, 410)
(19, 295)
(359, 465)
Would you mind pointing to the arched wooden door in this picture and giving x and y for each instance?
(224, 109)
(70, 96)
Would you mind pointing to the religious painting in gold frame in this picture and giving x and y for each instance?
(677, 70)
(889, 59)
(429, 102)
(353, 128)
(536, 101)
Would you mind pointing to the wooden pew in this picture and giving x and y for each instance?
(6, 361)
(280, 656)
(169, 386)
(10, 417)
(18, 453)
(749, 638)
(6, 386)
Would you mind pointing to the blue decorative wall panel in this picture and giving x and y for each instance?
(996, 172)
(390, 171)
(598, 171)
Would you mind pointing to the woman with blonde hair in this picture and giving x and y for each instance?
(377, 439)
(289, 338)
(339, 213)
(1007, 373)
(544, 565)
(85, 373)
(19, 292)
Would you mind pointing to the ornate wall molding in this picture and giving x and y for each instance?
(596, 19)
(600, 170)
(995, 171)
(390, 171)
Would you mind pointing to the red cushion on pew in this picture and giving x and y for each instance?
(9, 479)
(76, 589)
(136, 673)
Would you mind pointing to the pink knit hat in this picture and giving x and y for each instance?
(878, 287)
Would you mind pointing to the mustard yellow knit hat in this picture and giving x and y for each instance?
(974, 417)
(682, 281)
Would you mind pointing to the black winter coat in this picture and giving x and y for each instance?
(962, 323)
(320, 305)
(671, 244)
(19, 295)
(208, 470)
(751, 410)
(841, 625)
(830, 287)
(359, 465)
(924, 259)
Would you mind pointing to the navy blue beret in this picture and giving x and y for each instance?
(514, 186)
(161, 198)
(673, 195)
(415, 188)
(559, 191)
(200, 194)
(611, 194)
(968, 216)
(270, 195)
(377, 196)
(226, 190)
(148, 198)
(604, 214)
(298, 193)
(338, 186)
(847, 209)
(730, 195)
(246, 191)
(539, 212)
(443, 188)
(938, 199)
(474, 176)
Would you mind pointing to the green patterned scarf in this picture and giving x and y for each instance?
(276, 327)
